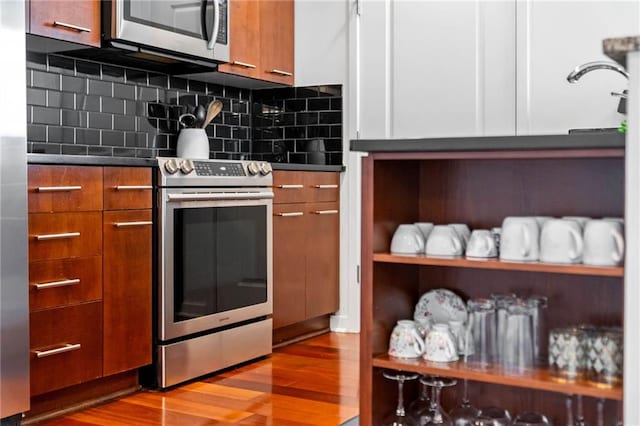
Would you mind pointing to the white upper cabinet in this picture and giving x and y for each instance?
(553, 38)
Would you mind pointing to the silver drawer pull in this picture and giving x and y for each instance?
(57, 236)
(58, 188)
(127, 224)
(132, 187)
(66, 348)
(326, 186)
(290, 214)
(290, 186)
(243, 64)
(326, 212)
(280, 72)
(52, 284)
(71, 27)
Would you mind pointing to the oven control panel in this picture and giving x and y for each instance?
(204, 172)
(205, 168)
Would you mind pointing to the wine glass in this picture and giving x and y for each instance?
(465, 413)
(400, 417)
(435, 415)
(422, 403)
(579, 413)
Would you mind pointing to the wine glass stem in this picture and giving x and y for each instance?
(600, 412)
(435, 404)
(579, 415)
(465, 396)
(569, 404)
(400, 409)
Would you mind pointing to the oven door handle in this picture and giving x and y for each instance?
(214, 196)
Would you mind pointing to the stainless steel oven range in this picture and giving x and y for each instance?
(214, 266)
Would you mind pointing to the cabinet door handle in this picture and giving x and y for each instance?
(280, 72)
(243, 64)
(290, 214)
(57, 236)
(132, 187)
(290, 186)
(128, 224)
(326, 186)
(58, 188)
(66, 348)
(71, 27)
(325, 212)
(52, 284)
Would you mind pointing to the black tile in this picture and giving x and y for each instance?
(174, 112)
(61, 99)
(318, 131)
(149, 94)
(273, 133)
(36, 97)
(215, 144)
(135, 140)
(305, 118)
(240, 107)
(36, 60)
(319, 104)
(74, 84)
(61, 134)
(336, 131)
(159, 141)
(74, 118)
(188, 100)
(112, 73)
(112, 105)
(148, 125)
(156, 110)
(333, 145)
(43, 115)
(88, 68)
(336, 104)
(45, 148)
(36, 133)
(166, 126)
(74, 149)
(261, 147)
(88, 103)
(231, 119)
(124, 152)
(245, 120)
(146, 153)
(215, 90)
(306, 92)
(102, 151)
(159, 80)
(240, 133)
(170, 97)
(61, 65)
(231, 92)
(223, 131)
(136, 76)
(231, 146)
(100, 121)
(288, 145)
(102, 88)
(222, 155)
(301, 146)
(210, 130)
(245, 146)
(124, 91)
(177, 83)
(124, 122)
(335, 158)
(261, 121)
(130, 107)
(226, 104)
(111, 138)
(29, 110)
(295, 132)
(197, 86)
(245, 94)
(330, 90)
(46, 80)
(297, 158)
(295, 105)
(334, 117)
(87, 137)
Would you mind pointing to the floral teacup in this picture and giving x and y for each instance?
(440, 344)
(405, 341)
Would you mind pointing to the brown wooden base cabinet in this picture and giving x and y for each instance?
(306, 232)
(480, 188)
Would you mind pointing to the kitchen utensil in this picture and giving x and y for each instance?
(407, 240)
(517, 350)
(561, 241)
(463, 232)
(603, 243)
(481, 245)
(519, 239)
(483, 319)
(425, 228)
(440, 306)
(444, 241)
(213, 109)
(201, 115)
(405, 340)
(193, 144)
(187, 120)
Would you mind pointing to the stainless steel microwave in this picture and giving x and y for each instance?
(177, 29)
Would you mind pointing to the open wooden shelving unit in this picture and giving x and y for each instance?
(480, 187)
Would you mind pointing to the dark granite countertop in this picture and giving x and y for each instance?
(93, 160)
(578, 140)
(617, 48)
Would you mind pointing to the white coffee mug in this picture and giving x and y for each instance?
(425, 228)
(582, 220)
(541, 220)
(481, 245)
(603, 243)
(463, 232)
(407, 240)
(440, 344)
(405, 340)
(519, 239)
(561, 241)
(444, 241)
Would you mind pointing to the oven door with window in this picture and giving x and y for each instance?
(215, 260)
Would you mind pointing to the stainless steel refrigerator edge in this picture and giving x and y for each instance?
(14, 309)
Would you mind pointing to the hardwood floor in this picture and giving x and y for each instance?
(313, 382)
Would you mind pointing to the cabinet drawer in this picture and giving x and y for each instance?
(57, 19)
(288, 187)
(62, 235)
(54, 283)
(66, 346)
(127, 188)
(322, 186)
(64, 188)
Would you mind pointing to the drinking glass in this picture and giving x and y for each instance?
(422, 402)
(483, 320)
(579, 413)
(531, 419)
(500, 416)
(465, 413)
(537, 304)
(502, 301)
(400, 417)
(600, 408)
(517, 350)
(436, 415)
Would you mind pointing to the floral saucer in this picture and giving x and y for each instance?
(441, 306)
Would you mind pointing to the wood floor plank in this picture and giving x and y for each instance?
(310, 383)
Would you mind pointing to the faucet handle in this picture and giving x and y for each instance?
(622, 95)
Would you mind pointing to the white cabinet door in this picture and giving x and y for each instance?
(436, 68)
(553, 38)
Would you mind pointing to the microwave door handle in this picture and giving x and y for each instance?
(203, 19)
(216, 24)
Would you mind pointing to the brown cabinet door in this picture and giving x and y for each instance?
(127, 290)
(127, 188)
(64, 188)
(322, 186)
(323, 258)
(62, 235)
(289, 187)
(289, 263)
(77, 21)
(245, 33)
(59, 282)
(277, 40)
(66, 346)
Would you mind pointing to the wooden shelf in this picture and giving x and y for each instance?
(538, 378)
(603, 271)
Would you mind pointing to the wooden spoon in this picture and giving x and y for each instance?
(213, 109)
